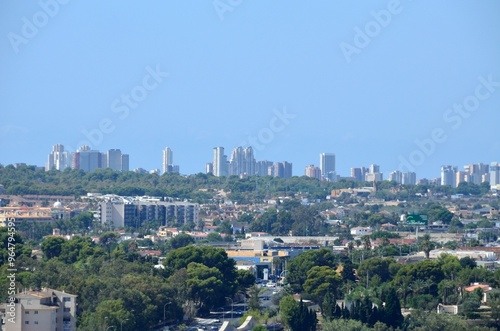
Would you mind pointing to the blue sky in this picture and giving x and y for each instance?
(372, 82)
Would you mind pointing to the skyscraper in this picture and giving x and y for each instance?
(448, 175)
(374, 174)
(276, 170)
(242, 162)
(327, 165)
(59, 159)
(313, 171)
(168, 159)
(287, 169)
(219, 162)
(405, 178)
(409, 178)
(209, 168)
(249, 166)
(396, 176)
(125, 162)
(88, 160)
(236, 163)
(262, 168)
(374, 168)
(494, 173)
(116, 161)
(475, 173)
(280, 169)
(358, 174)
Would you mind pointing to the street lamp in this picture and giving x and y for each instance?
(109, 327)
(231, 307)
(223, 315)
(121, 323)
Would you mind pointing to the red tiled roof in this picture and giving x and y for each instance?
(484, 287)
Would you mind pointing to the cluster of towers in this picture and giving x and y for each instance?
(242, 163)
(86, 159)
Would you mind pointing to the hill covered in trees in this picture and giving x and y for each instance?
(199, 187)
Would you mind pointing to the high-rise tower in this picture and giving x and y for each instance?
(59, 159)
(327, 165)
(168, 159)
(219, 162)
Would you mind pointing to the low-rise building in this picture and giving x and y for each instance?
(485, 289)
(32, 214)
(46, 309)
(361, 231)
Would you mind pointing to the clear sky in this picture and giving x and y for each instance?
(403, 84)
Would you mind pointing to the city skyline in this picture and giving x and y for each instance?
(372, 82)
(243, 162)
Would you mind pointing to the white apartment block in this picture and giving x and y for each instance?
(47, 310)
(133, 212)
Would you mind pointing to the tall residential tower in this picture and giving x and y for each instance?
(327, 166)
(168, 161)
(219, 163)
(59, 159)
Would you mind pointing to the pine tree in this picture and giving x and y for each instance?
(328, 306)
(365, 310)
(391, 313)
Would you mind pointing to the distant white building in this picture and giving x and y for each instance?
(59, 159)
(494, 174)
(448, 175)
(327, 166)
(360, 231)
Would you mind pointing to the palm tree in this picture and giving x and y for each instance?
(418, 286)
(350, 248)
(367, 243)
(403, 290)
(446, 287)
(426, 245)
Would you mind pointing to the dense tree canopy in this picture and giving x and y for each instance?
(296, 315)
(209, 257)
(300, 266)
(181, 240)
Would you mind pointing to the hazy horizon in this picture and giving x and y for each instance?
(405, 85)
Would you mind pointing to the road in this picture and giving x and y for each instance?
(216, 319)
